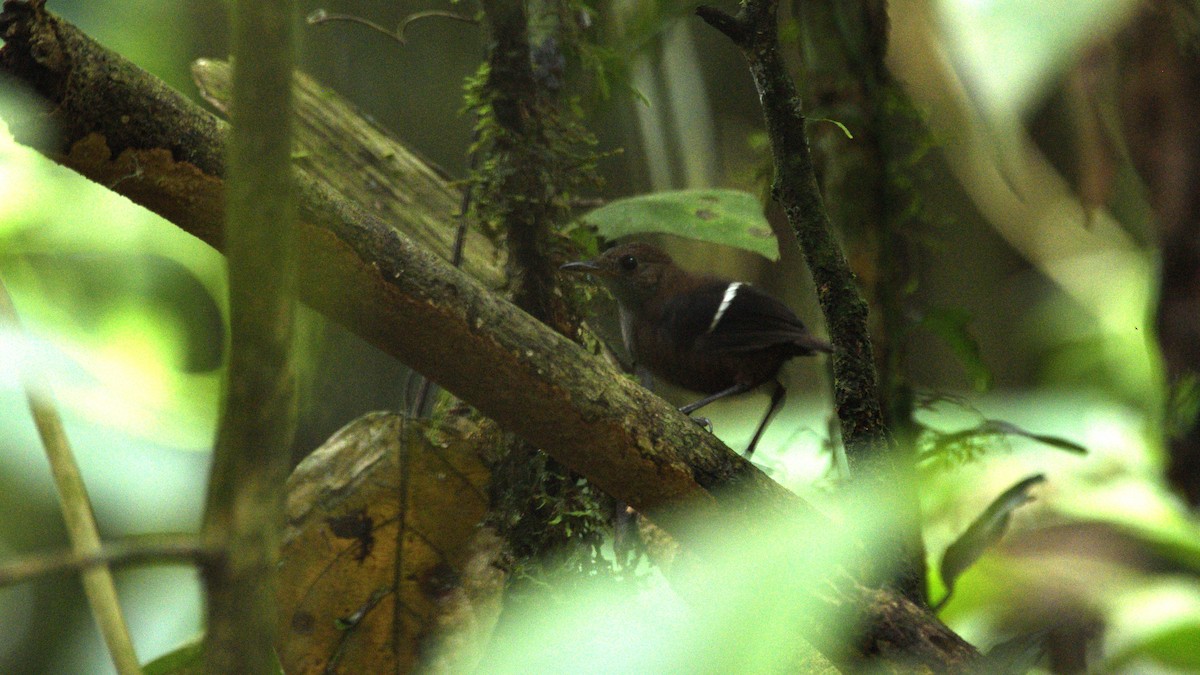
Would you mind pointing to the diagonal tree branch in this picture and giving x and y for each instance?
(533, 381)
(339, 148)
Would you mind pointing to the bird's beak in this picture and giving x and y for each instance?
(581, 266)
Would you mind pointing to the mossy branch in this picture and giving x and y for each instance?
(519, 124)
(795, 188)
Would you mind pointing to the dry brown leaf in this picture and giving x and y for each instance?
(381, 524)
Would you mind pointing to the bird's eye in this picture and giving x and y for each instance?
(628, 263)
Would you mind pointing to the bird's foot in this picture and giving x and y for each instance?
(704, 423)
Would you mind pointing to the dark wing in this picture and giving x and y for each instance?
(754, 320)
(686, 316)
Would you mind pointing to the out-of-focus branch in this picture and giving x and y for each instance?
(1160, 100)
(76, 506)
(180, 549)
(243, 516)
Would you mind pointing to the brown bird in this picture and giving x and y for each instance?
(702, 333)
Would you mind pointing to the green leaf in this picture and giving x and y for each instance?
(835, 122)
(184, 660)
(1010, 429)
(188, 659)
(91, 291)
(728, 217)
(1173, 648)
(951, 324)
(984, 532)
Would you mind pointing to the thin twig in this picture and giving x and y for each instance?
(321, 16)
(180, 548)
(456, 257)
(431, 13)
(460, 235)
(76, 506)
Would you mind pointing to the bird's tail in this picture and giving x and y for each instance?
(812, 344)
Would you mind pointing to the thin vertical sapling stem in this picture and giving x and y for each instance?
(244, 514)
(76, 507)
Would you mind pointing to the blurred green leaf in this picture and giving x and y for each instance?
(138, 337)
(1174, 648)
(91, 292)
(951, 324)
(999, 427)
(758, 585)
(1012, 51)
(187, 659)
(984, 532)
(728, 217)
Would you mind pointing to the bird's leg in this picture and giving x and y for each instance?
(777, 396)
(704, 421)
(644, 377)
(740, 388)
(626, 538)
(627, 541)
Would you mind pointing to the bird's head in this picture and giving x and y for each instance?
(633, 272)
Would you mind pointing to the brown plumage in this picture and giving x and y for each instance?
(699, 332)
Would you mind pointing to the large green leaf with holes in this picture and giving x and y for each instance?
(728, 217)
